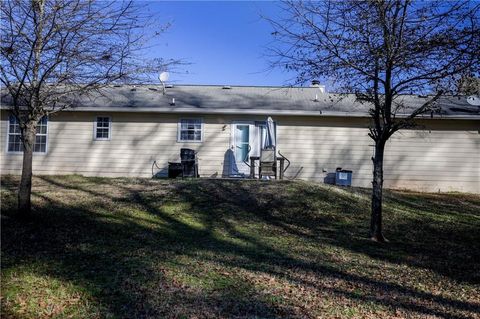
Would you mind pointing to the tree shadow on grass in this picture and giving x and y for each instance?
(120, 264)
(298, 213)
(340, 217)
(140, 265)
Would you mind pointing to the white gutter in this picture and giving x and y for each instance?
(257, 112)
(184, 110)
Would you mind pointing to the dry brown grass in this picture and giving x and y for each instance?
(135, 248)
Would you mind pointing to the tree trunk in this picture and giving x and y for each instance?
(25, 189)
(377, 190)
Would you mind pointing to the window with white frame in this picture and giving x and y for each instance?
(103, 125)
(14, 143)
(190, 130)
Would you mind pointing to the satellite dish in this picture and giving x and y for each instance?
(473, 100)
(163, 77)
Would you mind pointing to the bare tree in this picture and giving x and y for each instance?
(52, 50)
(380, 50)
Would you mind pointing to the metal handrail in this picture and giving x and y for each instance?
(245, 160)
(288, 164)
(155, 164)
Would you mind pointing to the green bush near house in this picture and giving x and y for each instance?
(138, 248)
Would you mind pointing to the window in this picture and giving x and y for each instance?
(190, 130)
(15, 142)
(41, 136)
(102, 128)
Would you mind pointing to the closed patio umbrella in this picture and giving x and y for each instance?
(270, 141)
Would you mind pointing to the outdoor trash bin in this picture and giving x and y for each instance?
(174, 170)
(343, 177)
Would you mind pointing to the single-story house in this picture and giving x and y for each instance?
(124, 130)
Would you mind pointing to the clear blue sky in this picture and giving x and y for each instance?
(225, 41)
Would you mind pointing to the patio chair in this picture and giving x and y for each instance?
(268, 163)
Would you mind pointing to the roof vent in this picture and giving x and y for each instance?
(316, 84)
(226, 87)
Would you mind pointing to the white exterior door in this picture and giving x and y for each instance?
(242, 143)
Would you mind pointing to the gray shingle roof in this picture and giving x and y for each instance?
(251, 100)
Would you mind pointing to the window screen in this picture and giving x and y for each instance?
(190, 130)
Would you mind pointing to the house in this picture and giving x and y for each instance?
(126, 129)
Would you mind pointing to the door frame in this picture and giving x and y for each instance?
(251, 138)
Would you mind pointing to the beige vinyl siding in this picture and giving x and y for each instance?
(443, 155)
(136, 141)
(316, 148)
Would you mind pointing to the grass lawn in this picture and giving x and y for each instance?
(139, 248)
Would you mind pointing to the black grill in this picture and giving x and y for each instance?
(188, 158)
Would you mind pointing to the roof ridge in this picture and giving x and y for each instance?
(214, 85)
